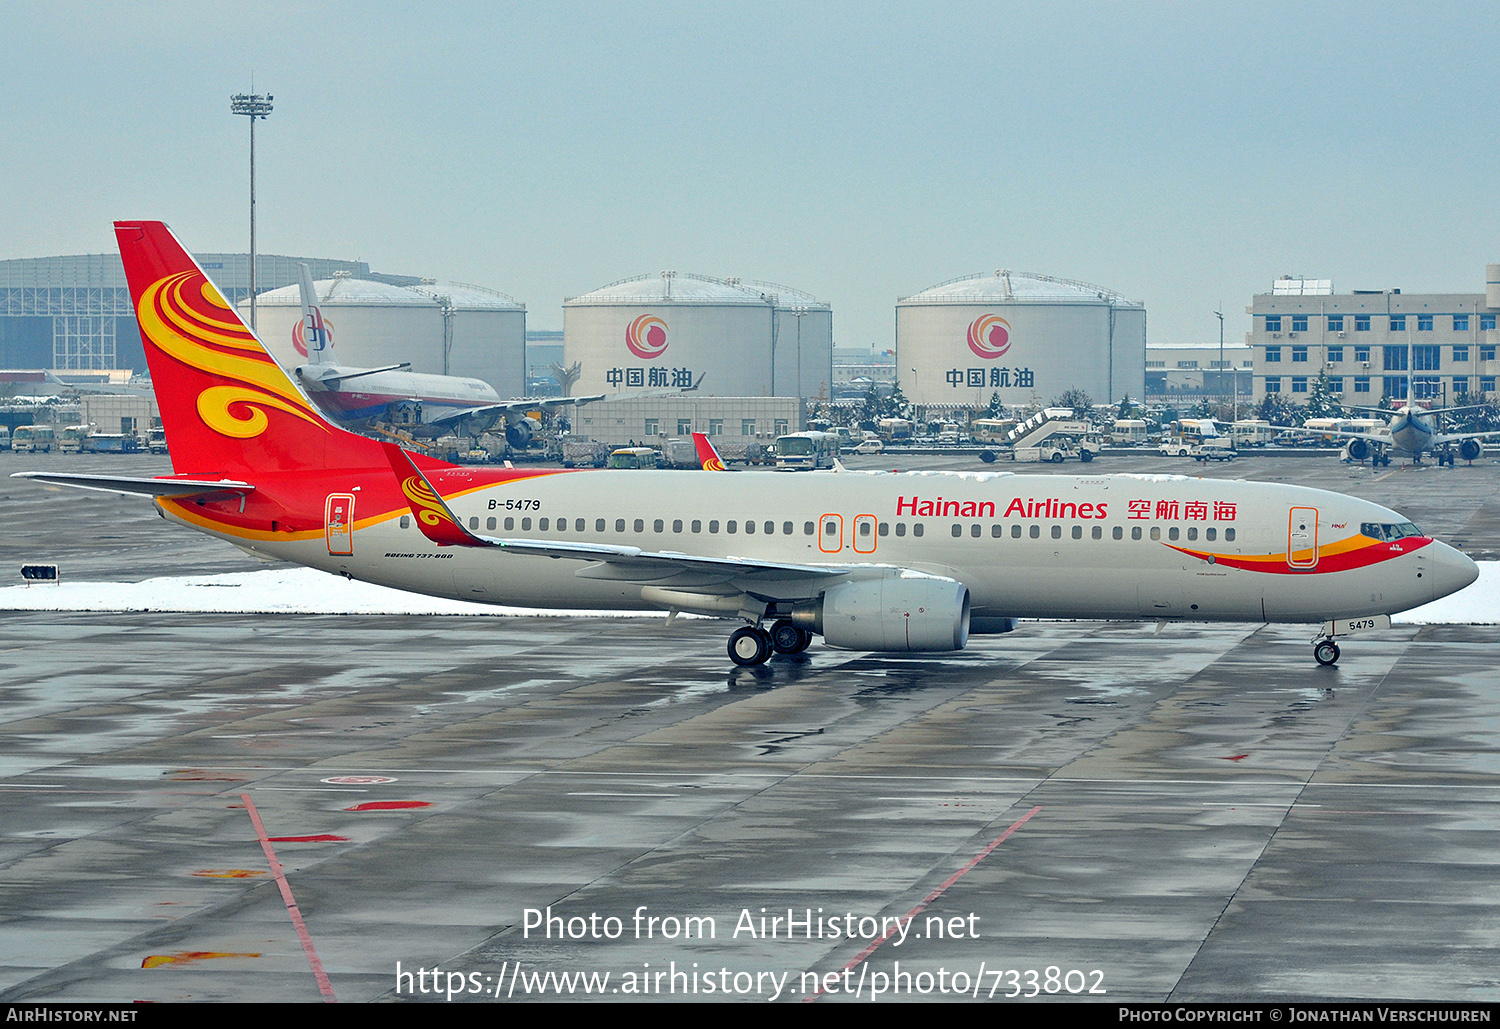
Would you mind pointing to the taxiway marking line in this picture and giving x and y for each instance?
(935, 894)
(291, 902)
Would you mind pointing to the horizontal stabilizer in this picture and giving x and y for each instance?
(140, 487)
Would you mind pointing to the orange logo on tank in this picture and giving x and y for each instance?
(184, 316)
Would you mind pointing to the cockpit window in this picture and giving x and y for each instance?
(1389, 530)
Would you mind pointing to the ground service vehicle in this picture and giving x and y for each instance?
(27, 439)
(633, 458)
(870, 561)
(807, 451)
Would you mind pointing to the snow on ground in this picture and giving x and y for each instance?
(272, 591)
(308, 591)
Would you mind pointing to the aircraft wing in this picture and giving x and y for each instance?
(516, 407)
(1439, 439)
(1384, 439)
(330, 376)
(140, 487)
(630, 564)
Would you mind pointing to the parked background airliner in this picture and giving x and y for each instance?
(449, 403)
(869, 561)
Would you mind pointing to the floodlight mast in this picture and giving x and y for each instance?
(253, 105)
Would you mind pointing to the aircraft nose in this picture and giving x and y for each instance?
(1450, 570)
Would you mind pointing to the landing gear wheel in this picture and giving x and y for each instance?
(787, 638)
(749, 645)
(1326, 652)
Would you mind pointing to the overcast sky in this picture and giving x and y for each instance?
(1182, 154)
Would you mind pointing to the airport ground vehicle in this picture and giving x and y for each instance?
(1056, 450)
(869, 561)
(633, 458)
(585, 453)
(4, 437)
(868, 446)
(72, 437)
(111, 443)
(29, 439)
(1252, 432)
(991, 430)
(1053, 435)
(1128, 432)
(1190, 437)
(807, 451)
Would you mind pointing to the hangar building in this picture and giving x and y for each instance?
(73, 313)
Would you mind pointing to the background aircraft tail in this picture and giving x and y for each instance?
(708, 456)
(227, 407)
(314, 332)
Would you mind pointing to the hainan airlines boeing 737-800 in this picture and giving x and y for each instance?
(870, 561)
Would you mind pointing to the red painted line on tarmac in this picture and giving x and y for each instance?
(291, 902)
(388, 805)
(322, 837)
(935, 894)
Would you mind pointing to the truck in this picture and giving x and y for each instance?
(155, 440)
(72, 439)
(1054, 435)
(111, 443)
(584, 453)
(1190, 437)
(1057, 449)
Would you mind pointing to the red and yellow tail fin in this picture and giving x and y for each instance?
(708, 457)
(226, 405)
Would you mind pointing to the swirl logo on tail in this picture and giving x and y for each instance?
(184, 316)
(646, 337)
(989, 336)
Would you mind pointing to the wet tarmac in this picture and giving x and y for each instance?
(1186, 814)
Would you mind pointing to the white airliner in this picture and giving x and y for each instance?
(1412, 434)
(352, 396)
(877, 561)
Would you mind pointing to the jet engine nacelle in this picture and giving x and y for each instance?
(1359, 449)
(519, 433)
(1469, 450)
(908, 612)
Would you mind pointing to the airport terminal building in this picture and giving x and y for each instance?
(1367, 342)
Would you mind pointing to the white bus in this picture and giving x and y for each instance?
(801, 451)
(991, 430)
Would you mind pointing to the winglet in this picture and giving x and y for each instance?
(433, 517)
(708, 457)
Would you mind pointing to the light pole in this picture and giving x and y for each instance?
(254, 106)
(1220, 316)
(799, 312)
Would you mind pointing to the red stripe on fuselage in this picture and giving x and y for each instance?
(1371, 554)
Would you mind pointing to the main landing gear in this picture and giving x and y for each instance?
(1325, 652)
(752, 645)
